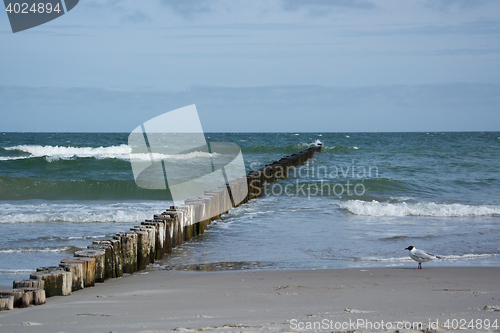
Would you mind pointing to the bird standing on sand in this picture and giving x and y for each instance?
(420, 256)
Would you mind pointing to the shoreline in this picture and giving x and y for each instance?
(264, 300)
(182, 269)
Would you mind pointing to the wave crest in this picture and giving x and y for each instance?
(375, 208)
(123, 152)
(59, 152)
(48, 249)
(76, 217)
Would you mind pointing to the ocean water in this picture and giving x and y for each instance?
(358, 203)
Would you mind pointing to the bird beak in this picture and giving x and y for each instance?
(407, 248)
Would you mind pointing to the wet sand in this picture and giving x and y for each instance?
(280, 301)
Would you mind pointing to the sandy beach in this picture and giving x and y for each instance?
(250, 301)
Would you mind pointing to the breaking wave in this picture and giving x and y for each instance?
(123, 152)
(375, 208)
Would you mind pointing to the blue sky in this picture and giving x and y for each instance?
(252, 66)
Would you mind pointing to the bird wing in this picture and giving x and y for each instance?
(422, 255)
(435, 256)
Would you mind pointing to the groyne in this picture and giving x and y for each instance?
(131, 251)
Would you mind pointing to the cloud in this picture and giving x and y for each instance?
(468, 51)
(205, 36)
(188, 9)
(316, 6)
(137, 16)
(248, 26)
(114, 4)
(478, 27)
(445, 5)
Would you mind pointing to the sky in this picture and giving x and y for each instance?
(257, 66)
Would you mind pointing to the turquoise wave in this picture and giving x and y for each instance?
(24, 188)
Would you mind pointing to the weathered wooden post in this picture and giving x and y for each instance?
(36, 284)
(178, 228)
(88, 268)
(129, 251)
(6, 302)
(109, 258)
(184, 214)
(167, 236)
(16, 294)
(57, 282)
(98, 255)
(33, 296)
(76, 270)
(150, 241)
(159, 247)
(143, 249)
(163, 220)
(21, 297)
(116, 252)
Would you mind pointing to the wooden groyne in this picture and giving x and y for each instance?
(131, 251)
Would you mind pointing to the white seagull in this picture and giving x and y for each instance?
(420, 256)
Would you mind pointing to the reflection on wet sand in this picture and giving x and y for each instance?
(218, 266)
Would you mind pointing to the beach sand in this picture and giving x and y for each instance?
(277, 301)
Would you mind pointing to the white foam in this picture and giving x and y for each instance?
(396, 259)
(158, 157)
(16, 271)
(401, 198)
(467, 256)
(29, 250)
(81, 237)
(59, 152)
(76, 217)
(10, 158)
(124, 152)
(78, 213)
(375, 208)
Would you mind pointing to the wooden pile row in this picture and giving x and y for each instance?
(131, 251)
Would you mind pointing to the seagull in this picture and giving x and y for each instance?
(420, 256)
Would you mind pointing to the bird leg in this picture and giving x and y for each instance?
(419, 265)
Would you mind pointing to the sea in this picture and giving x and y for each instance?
(357, 204)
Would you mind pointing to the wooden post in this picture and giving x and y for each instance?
(16, 295)
(162, 229)
(109, 257)
(36, 284)
(57, 282)
(98, 255)
(159, 233)
(143, 249)
(36, 296)
(6, 302)
(26, 299)
(88, 268)
(116, 244)
(150, 241)
(76, 270)
(129, 251)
